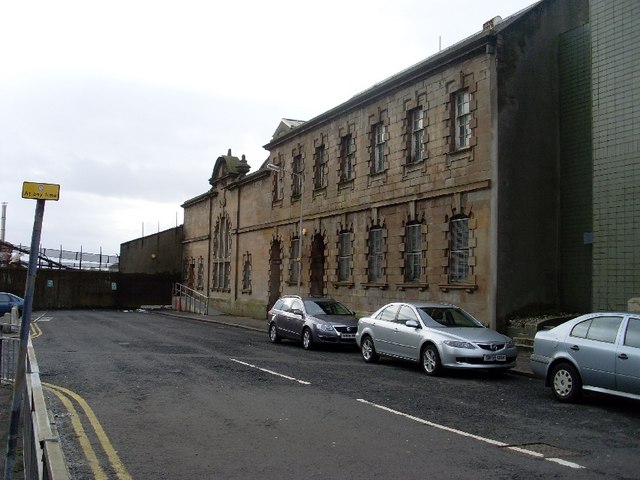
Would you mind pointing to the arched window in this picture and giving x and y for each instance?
(221, 261)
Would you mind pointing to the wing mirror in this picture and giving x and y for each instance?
(412, 324)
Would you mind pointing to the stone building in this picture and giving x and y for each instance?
(440, 183)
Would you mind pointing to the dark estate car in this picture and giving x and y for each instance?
(311, 320)
(9, 300)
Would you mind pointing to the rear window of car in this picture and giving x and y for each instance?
(632, 337)
(601, 329)
(388, 314)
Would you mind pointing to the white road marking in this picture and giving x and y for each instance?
(271, 372)
(471, 435)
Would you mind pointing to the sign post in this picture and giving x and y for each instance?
(41, 192)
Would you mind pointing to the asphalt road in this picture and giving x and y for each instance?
(158, 397)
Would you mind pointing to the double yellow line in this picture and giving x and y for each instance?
(67, 397)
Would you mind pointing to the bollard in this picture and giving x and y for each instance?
(15, 319)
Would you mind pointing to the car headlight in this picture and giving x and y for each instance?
(459, 344)
(510, 344)
(323, 327)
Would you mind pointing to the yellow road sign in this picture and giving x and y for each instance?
(40, 191)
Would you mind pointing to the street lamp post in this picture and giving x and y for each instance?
(279, 169)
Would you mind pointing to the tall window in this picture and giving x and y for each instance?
(417, 135)
(278, 186)
(376, 254)
(246, 272)
(320, 160)
(347, 158)
(296, 186)
(200, 284)
(344, 256)
(378, 148)
(459, 249)
(412, 252)
(463, 120)
(294, 261)
(221, 255)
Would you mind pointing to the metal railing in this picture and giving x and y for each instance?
(185, 299)
(42, 453)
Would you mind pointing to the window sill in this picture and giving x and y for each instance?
(343, 284)
(344, 184)
(379, 285)
(469, 288)
(293, 284)
(246, 291)
(460, 154)
(408, 286)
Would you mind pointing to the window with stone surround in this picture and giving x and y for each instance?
(416, 133)
(278, 182)
(319, 167)
(347, 158)
(294, 260)
(344, 256)
(246, 273)
(375, 255)
(221, 261)
(462, 134)
(459, 249)
(297, 178)
(413, 252)
(378, 146)
(200, 282)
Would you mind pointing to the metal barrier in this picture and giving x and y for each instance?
(42, 453)
(186, 299)
(9, 347)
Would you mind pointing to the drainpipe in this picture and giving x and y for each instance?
(492, 299)
(239, 273)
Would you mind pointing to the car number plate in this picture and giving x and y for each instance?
(348, 336)
(495, 358)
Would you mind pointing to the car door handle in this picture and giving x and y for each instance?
(575, 347)
(623, 356)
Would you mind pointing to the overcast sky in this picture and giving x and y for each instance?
(127, 103)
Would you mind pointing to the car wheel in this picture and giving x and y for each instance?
(369, 353)
(307, 339)
(566, 383)
(273, 333)
(431, 363)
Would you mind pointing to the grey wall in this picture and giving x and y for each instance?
(157, 253)
(528, 157)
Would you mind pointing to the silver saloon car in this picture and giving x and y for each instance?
(598, 352)
(437, 335)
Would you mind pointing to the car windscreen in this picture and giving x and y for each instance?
(450, 317)
(325, 307)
